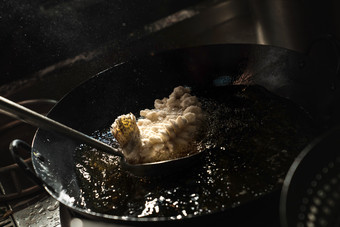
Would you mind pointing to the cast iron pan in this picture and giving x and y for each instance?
(227, 74)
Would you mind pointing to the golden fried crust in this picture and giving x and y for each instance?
(125, 128)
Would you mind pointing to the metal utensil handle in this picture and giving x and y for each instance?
(24, 114)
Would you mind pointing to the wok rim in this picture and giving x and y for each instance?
(172, 219)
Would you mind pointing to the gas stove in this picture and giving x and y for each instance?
(22, 202)
(54, 46)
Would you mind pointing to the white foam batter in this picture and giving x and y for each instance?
(165, 132)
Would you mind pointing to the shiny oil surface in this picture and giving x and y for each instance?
(251, 138)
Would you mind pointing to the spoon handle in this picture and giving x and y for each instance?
(24, 114)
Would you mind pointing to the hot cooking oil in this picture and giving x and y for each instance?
(251, 137)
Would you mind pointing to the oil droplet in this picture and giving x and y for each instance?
(54, 206)
(37, 206)
(41, 210)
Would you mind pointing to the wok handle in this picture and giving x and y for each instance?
(24, 114)
(14, 147)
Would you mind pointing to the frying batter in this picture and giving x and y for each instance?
(166, 132)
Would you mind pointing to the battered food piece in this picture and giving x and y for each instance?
(166, 132)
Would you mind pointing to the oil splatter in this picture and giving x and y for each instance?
(251, 138)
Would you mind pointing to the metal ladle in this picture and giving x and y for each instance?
(31, 117)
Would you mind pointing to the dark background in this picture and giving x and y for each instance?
(38, 34)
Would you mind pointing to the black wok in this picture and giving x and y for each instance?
(134, 85)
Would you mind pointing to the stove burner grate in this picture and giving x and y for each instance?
(20, 191)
